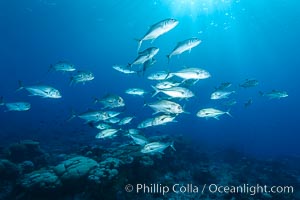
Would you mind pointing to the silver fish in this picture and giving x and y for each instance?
(136, 91)
(148, 64)
(161, 75)
(139, 139)
(221, 94)
(163, 119)
(145, 55)
(223, 86)
(166, 84)
(112, 113)
(146, 123)
(275, 94)
(15, 106)
(41, 90)
(133, 131)
(175, 92)
(112, 120)
(165, 106)
(82, 77)
(102, 126)
(125, 120)
(107, 133)
(111, 101)
(157, 147)
(183, 46)
(63, 66)
(123, 69)
(192, 73)
(158, 29)
(211, 113)
(92, 116)
(249, 83)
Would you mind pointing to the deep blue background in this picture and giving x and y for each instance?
(249, 39)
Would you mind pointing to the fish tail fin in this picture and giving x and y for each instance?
(168, 57)
(145, 103)
(20, 86)
(183, 82)
(71, 81)
(184, 111)
(139, 43)
(196, 81)
(96, 100)
(73, 115)
(172, 145)
(156, 91)
(129, 65)
(228, 113)
(168, 75)
(1, 101)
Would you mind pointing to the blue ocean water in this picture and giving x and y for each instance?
(241, 39)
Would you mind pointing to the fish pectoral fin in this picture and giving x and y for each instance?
(161, 152)
(155, 112)
(217, 118)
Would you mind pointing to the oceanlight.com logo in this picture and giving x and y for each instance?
(157, 188)
(251, 190)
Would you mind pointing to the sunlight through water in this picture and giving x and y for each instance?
(195, 8)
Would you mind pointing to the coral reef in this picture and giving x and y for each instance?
(75, 169)
(26, 150)
(105, 172)
(41, 180)
(8, 170)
